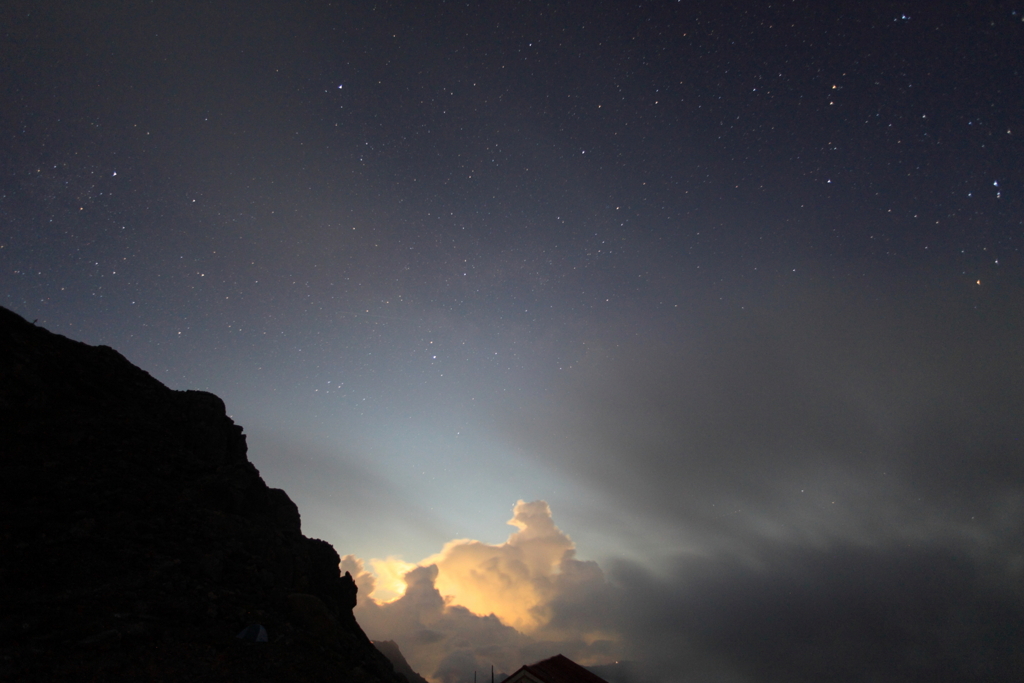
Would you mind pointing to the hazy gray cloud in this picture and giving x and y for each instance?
(827, 417)
(843, 478)
(846, 613)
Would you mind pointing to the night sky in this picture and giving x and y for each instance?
(729, 296)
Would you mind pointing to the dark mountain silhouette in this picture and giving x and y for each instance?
(137, 540)
(391, 651)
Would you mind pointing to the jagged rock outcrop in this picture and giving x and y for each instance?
(136, 539)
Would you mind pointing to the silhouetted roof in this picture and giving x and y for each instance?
(557, 669)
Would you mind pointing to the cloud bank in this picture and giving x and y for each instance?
(865, 418)
(475, 604)
(845, 612)
(833, 488)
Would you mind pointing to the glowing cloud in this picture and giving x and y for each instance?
(389, 583)
(514, 580)
(474, 604)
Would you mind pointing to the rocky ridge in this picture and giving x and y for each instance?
(137, 540)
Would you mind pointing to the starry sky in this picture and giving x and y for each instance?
(721, 303)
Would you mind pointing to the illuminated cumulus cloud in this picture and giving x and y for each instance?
(474, 604)
(515, 581)
(388, 578)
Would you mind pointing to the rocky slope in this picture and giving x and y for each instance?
(137, 540)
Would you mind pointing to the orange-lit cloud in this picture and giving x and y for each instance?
(474, 604)
(389, 578)
(514, 580)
